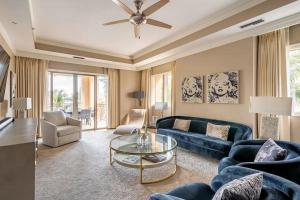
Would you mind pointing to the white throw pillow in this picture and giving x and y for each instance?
(217, 131)
(182, 124)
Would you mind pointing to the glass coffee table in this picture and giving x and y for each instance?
(128, 152)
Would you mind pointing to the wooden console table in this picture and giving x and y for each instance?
(17, 158)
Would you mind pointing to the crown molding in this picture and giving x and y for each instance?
(53, 56)
(199, 47)
(85, 54)
(7, 39)
(79, 48)
(241, 6)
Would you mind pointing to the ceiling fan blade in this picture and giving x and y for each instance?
(155, 7)
(116, 22)
(154, 22)
(137, 31)
(123, 6)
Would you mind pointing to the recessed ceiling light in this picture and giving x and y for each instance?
(13, 22)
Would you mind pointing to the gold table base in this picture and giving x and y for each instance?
(142, 168)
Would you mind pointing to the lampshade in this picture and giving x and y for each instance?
(161, 105)
(271, 105)
(138, 94)
(22, 103)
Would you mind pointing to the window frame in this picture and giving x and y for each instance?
(291, 48)
(75, 89)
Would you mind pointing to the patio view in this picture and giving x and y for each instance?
(81, 96)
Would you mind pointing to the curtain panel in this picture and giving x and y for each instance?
(272, 71)
(173, 91)
(146, 87)
(113, 97)
(31, 81)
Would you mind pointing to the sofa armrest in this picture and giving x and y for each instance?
(49, 133)
(74, 122)
(166, 122)
(244, 153)
(288, 169)
(278, 183)
(249, 142)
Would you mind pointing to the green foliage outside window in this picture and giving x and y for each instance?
(294, 77)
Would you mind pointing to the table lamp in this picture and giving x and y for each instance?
(22, 104)
(270, 108)
(139, 95)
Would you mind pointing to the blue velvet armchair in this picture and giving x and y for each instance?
(274, 187)
(243, 154)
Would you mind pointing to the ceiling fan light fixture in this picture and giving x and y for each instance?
(138, 18)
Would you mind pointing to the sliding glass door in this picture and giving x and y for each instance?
(83, 97)
(62, 93)
(102, 105)
(86, 101)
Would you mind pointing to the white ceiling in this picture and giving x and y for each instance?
(79, 22)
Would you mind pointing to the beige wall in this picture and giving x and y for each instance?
(235, 56)
(295, 34)
(130, 81)
(4, 44)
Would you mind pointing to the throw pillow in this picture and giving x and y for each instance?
(270, 151)
(245, 188)
(217, 131)
(182, 124)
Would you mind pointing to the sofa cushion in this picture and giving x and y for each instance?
(198, 139)
(218, 131)
(210, 142)
(182, 124)
(67, 130)
(57, 118)
(270, 151)
(245, 188)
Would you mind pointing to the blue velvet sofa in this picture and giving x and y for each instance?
(274, 187)
(243, 154)
(197, 141)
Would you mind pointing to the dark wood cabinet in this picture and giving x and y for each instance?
(17, 160)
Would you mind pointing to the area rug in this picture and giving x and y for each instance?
(81, 171)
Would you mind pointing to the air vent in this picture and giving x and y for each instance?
(252, 23)
(78, 57)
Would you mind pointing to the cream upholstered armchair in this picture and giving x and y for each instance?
(135, 120)
(57, 129)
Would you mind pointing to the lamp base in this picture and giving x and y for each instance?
(269, 127)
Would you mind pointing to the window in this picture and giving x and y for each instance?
(81, 96)
(294, 77)
(161, 86)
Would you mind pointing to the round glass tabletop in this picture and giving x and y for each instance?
(155, 144)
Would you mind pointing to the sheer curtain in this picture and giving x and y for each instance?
(146, 87)
(272, 71)
(173, 96)
(113, 97)
(31, 81)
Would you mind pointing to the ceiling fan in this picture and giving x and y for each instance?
(138, 18)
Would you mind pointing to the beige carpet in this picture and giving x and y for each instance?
(81, 171)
